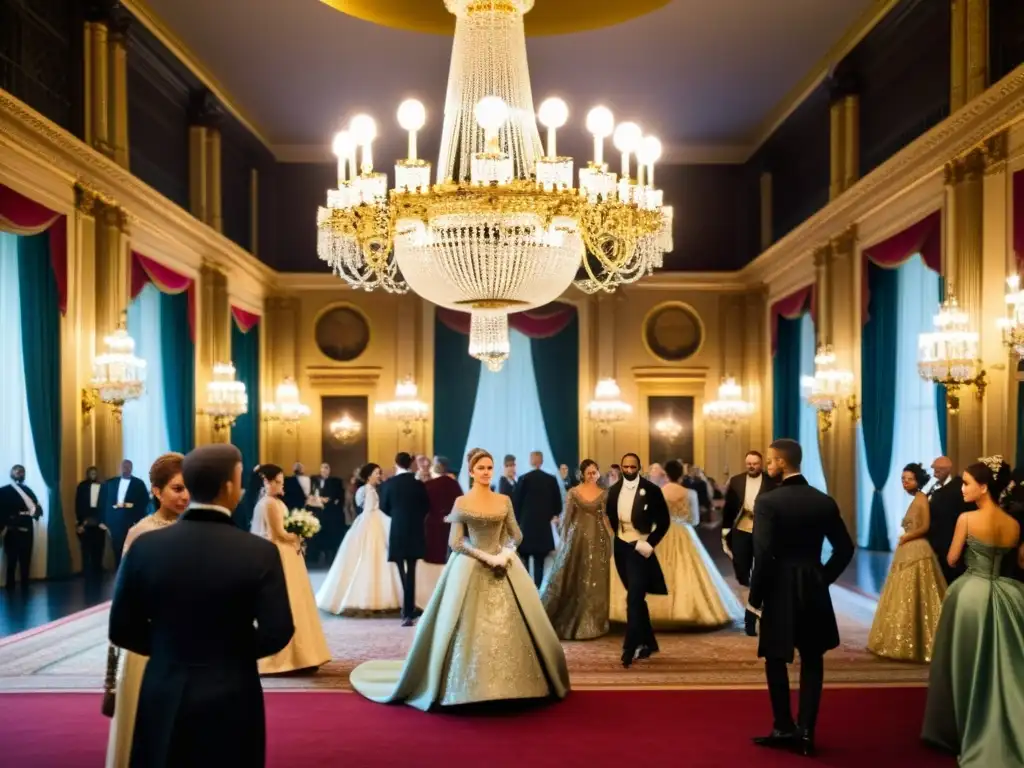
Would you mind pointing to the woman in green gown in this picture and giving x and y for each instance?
(484, 636)
(976, 691)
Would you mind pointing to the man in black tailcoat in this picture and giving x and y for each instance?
(537, 503)
(327, 502)
(19, 510)
(125, 501)
(738, 514)
(404, 499)
(297, 488)
(204, 601)
(789, 591)
(507, 482)
(946, 504)
(91, 533)
(639, 517)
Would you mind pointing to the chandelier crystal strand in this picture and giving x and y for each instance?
(226, 398)
(488, 337)
(118, 376)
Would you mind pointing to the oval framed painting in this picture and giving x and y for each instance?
(342, 333)
(673, 332)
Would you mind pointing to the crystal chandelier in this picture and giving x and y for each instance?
(829, 387)
(346, 429)
(287, 408)
(607, 409)
(668, 428)
(1012, 325)
(503, 229)
(118, 376)
(406, 410)
(226, 398)
(949, 354)
(730, 409)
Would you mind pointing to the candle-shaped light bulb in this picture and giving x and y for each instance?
(600, 124)
(411, 117)
(342, 149)
(1013, 282)
(553, 114)
(647, 154)
(491, 113)
(627, 138)
(364, 131)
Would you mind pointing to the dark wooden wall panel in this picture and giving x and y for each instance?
(241, 153)
(1006, 37)
(300, 188)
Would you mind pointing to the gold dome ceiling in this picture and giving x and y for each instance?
(548, 17)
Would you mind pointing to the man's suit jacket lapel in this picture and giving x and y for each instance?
(639, 501)
(613, 499)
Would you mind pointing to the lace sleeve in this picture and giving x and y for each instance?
(515, 536)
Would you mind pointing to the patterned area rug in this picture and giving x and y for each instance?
(70, 655)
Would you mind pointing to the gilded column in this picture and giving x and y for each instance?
(118, 119)
(958, 55)
(81, 329)
(605, 344)
(213, 343)
(204, 122)
(766, 210)
(835, 149)
(756, 369)
(214, 194)
(851, 140)
(97, 73)
(823, 336)
(281, 362)
(844, 133)
(254, 212)
(964, 177)
(977, 48)
(405, 365)
(844, 321)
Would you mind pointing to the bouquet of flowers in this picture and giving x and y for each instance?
(303, 523)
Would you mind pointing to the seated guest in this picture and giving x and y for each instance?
(91, 532)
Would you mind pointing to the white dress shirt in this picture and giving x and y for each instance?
(217, 507)
(94, 495)
(304, 484)
(122, 490)
(746, 519)
(627, 495)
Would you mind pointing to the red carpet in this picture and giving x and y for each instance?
(876, 727)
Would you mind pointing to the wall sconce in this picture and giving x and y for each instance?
(949, 354)
(90, 399)
(346, 429)
(118, 376)
(286, 408)
(406, 410)
(829, 388)
(226, 399)
(607, 408)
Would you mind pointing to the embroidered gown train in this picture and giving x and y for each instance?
(484, 635)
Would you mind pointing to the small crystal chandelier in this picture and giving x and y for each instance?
(607, 408)
(346, 429)
(406, 410)
(488, 338)
(118, 376)
(286, 408)
(226, 399)
(829, 387)
(1012, 325)
(668, 428)
(730, 409)
(949, 354)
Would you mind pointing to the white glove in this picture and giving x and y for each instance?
(645, 549)
(725, 542)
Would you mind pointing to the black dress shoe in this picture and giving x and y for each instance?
(777, 739)
(417, 613)
(805, 743)
(627, 658)
(646, 652)
(407, 622)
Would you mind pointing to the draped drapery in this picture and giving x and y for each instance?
(556, 368)
(456, 376)
(20, 215)
(245, 356)
(40, 334)
(144, 421)
(786, 331)
(922, 238)
(145, 270)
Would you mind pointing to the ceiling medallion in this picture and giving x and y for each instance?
(503, 229)
(549, 17)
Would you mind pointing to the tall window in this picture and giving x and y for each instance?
(145, 420)
(16, 443)
(812, 468)
(507, 417)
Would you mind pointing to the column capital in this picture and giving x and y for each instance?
(843, 82)
(845, 242)
(114, 216)
(86, 201)
(103, 11)
(120, 24)
(969, 167)
(996, 149)
(205, 110)
(821, 255)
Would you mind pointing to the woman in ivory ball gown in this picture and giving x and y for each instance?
(484, 636)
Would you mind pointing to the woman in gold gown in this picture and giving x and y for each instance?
(484, 635)
(908, 609)
(698, 596)
(169, 489)
(575, 593)
(308, 646)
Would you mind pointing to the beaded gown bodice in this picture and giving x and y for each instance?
(486, 532)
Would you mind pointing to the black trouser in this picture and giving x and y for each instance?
(634, 569)
(18, 549)
(742, 546)
(812, 677)
(92, 540)
(407, 573)
(538, 567)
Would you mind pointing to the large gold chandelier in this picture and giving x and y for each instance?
(503, 229)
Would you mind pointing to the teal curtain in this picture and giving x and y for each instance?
(878, 361)
(940, 393)
(456, 376)
(786, 379)
(556, 367)
(245, 356)
(40, 334)
(178, 355)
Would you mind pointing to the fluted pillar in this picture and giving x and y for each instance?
(766, 210)
(756, 370)
(118, 89)
(213, 344)
(969, 51)
(204, 143)
(281, 328)
(96, 69)
(965, 203)
(842, 315)
(844, 133)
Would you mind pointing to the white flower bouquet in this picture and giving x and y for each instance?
(303, 523)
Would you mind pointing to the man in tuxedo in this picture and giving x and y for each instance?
(327, 501)
(204, 600)
(946, 504)
(19, 510)
(404, 499)
(738, 515)
(789, 591)
(297, 488)
(537, 503)
(91, 532)
(124, 501)
(507, 481)
(639, 516)
(568, 479)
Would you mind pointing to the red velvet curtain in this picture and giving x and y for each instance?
(146, 270)
(924, 237)
(541, 323)
(790, 308)
(20, 215)
(245, 321)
